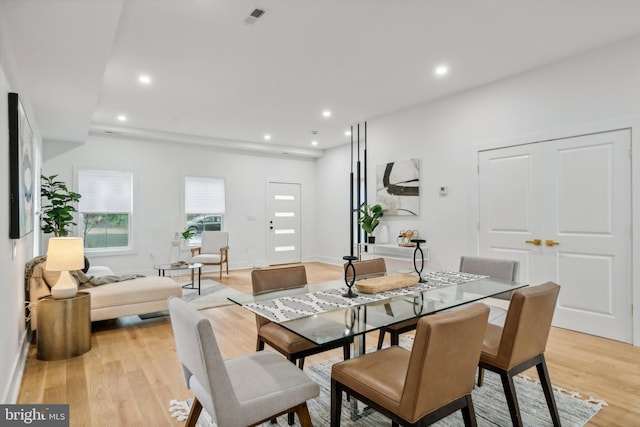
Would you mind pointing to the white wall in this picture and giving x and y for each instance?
(159, 168)
(13, 253)
(332, 200)
(593, 92)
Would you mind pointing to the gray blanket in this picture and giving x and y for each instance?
(84, 281)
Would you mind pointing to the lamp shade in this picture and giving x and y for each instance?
(65, 254)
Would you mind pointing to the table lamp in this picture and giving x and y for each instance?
(65, 254)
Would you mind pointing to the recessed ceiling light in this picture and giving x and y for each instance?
(326, 113)
(267, 136)
(441, 70)
(144, 79)
(347, 133)
(122, 118)
(314, 143)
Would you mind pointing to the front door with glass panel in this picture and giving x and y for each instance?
(283, 223)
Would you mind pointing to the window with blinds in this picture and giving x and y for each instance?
(106, 208)
(204, 204)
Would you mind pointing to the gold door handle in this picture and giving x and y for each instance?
(551, 243)
(536, 242)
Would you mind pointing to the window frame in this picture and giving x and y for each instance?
(133, 223)
(195, 241)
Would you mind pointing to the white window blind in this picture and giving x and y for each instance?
(105, 191)
(203, 195)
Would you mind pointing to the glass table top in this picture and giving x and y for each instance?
(365, 317)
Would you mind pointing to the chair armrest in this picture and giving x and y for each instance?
(194, 251)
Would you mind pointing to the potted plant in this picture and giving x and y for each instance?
(57, 206)
(369, 219)
(187, 234)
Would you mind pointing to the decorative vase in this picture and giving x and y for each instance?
(371, 239)
(383, 235)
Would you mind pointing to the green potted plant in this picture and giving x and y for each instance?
(57, 206)
(188, 233)
(369, 219)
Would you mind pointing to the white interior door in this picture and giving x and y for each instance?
(283, 223)
(563, 209)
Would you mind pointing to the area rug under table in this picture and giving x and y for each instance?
(212, 294)
(489, 403)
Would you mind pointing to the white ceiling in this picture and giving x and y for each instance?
(219, 81)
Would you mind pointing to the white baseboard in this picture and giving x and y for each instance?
(13, 388)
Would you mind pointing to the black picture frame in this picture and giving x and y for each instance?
(21, 170)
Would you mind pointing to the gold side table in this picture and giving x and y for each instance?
(64, 327)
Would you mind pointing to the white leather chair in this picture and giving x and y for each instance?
(213, 250)
(242, 391)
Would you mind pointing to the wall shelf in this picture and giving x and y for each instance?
(390, 251)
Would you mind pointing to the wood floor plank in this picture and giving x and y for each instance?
(132, 370)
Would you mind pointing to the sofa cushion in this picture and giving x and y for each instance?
(99, 271)
(135, 291)
(206, 259)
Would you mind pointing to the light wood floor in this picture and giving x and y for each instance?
(132, 370)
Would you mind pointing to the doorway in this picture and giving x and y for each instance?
(283, 223)
(563, 209)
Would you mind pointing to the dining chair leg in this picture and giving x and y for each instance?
(512, 399)
(194, 413)
(303, 415)
(480, 376)
(469, 413)
(381, 333)
(543, 375)
(336, 403)
(395, 338)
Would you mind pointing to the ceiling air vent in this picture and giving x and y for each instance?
(254, 16)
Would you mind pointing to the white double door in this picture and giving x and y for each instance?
(563, 209)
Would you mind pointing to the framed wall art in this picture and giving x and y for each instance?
(398, 187)
(21, 170)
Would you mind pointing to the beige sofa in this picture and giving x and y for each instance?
(126, 298)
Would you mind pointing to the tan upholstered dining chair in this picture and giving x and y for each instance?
(368, 267)
(243, 391)
(520, 344)
(422, 385)
(213, 250)
(292, 346)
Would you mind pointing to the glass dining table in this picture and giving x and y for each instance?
(319, 312)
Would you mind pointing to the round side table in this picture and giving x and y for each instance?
(64, 327)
